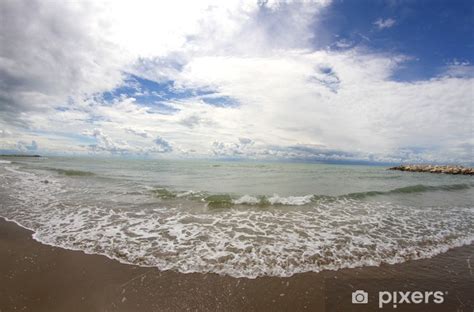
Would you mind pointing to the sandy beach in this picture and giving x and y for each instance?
(37, 277)
(246, 155)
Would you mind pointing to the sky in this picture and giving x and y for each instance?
(334, 81)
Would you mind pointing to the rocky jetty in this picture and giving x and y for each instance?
(435, 169)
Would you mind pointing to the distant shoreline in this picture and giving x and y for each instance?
(19, 155)
(391, 166)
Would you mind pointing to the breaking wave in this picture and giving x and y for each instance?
(71, 172)
(228, 200)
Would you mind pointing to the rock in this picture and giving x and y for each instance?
(446, 169)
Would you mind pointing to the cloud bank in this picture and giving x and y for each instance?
(210, 79)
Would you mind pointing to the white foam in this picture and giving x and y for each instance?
(5, 161)
(238, 242)
(275, 200)
(186, 193)
(246, 200)
(291, 200)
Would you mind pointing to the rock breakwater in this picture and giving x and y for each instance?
(447, 169)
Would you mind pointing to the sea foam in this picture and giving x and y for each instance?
(277, 241)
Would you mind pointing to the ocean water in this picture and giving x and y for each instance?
(243, 219)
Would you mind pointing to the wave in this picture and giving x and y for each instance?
(5, 161)
(216, 201)
(219, 201)
(164, 193)
(237, 242)
(71, 172)
(274, 200)
(419, 188)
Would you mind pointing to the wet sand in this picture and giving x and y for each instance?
(37, 277)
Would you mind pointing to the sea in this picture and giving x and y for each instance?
(237, 218)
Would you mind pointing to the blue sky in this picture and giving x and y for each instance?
(434, 33)
(157, 94)
(336, 81)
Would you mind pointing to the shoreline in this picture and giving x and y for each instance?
(38, 277)
(460, 244)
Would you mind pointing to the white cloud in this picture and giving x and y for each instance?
(384, 23)
(162, 146)
(138, 132)
(52, 53)
(344, 44)
(27, 147)
(462, 70)
(5, 133)
(105, 143)
(291, 101)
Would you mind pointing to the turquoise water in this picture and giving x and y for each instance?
(237, 218)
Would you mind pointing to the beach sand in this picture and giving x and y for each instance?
(37, 277)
